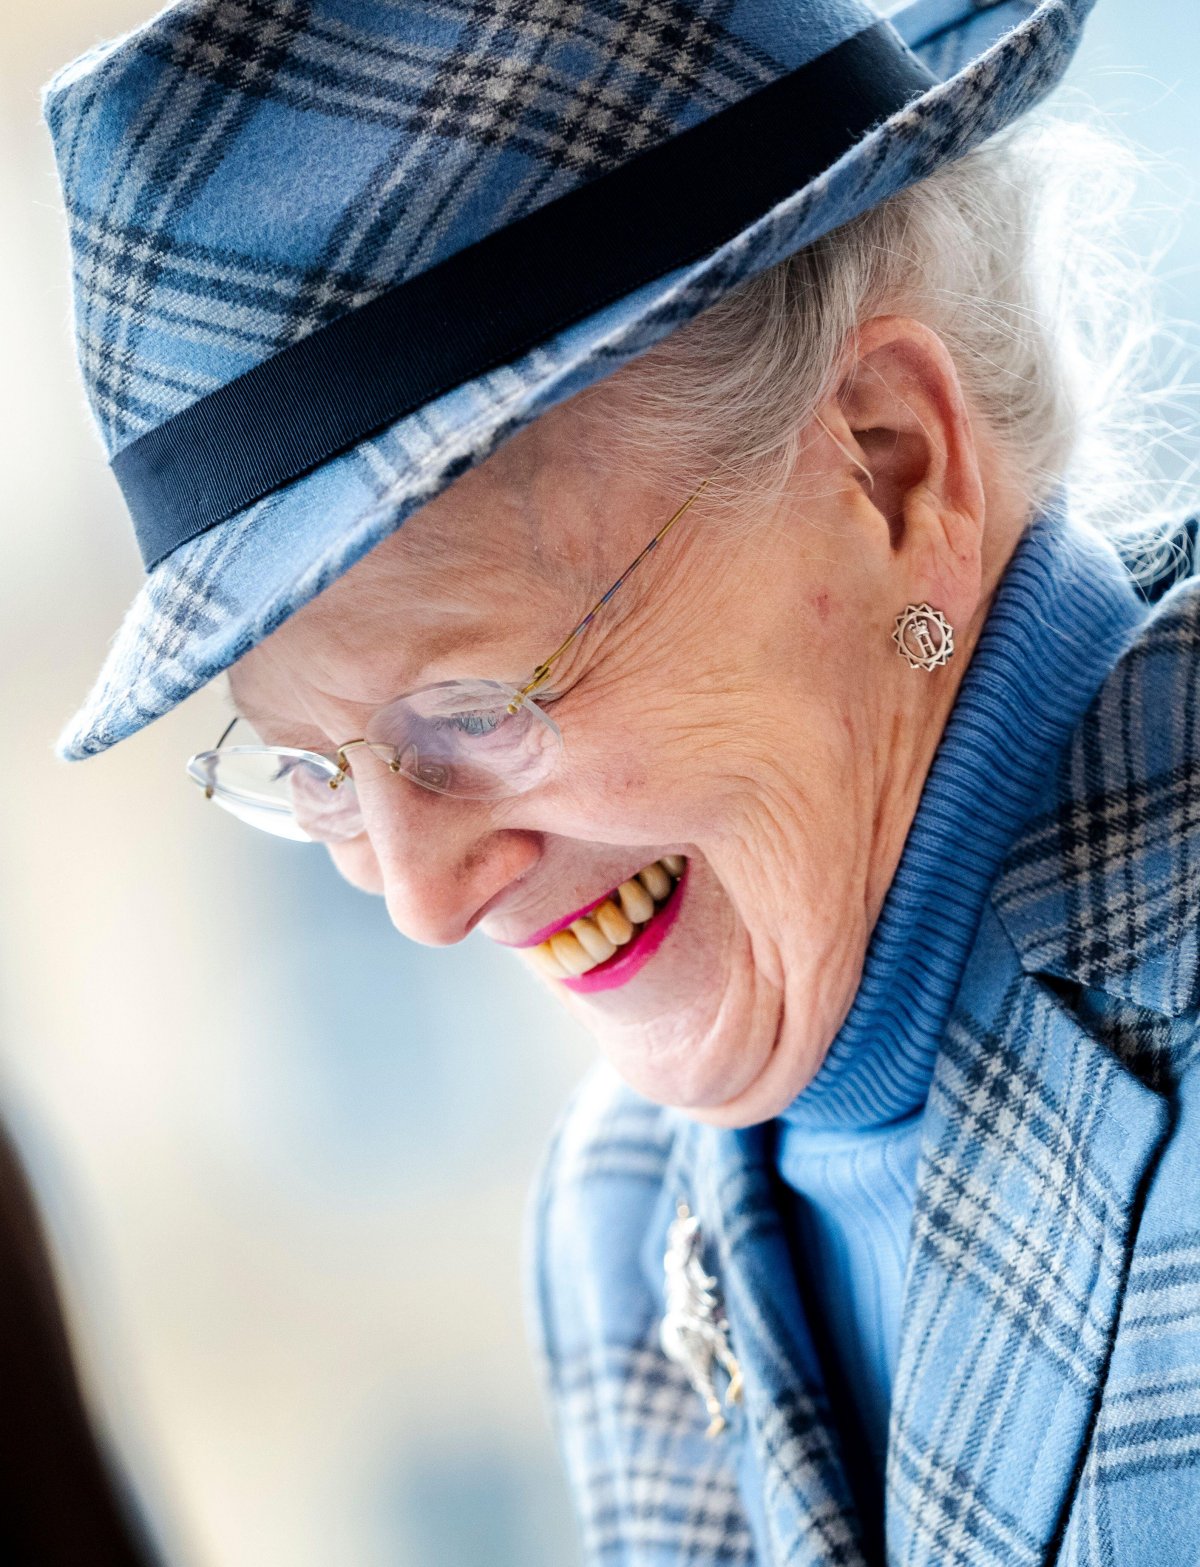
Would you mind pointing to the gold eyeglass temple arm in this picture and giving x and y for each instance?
(542, 673)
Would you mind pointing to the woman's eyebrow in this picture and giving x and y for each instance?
(298, 738)
(481, 649)
(301, 735)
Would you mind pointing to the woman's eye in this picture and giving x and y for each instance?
(477, 724)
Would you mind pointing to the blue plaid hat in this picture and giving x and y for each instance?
(328, 254)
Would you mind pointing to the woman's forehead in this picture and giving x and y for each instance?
(478, 556)
(535, 504)
(492, 571)
(458, 584)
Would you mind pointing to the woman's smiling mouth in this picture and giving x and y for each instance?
(606, 945)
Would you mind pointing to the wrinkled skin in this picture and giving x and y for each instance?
(740, 702)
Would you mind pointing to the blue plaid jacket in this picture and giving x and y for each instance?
(1046, 1406)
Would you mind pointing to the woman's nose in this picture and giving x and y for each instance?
(437, 860)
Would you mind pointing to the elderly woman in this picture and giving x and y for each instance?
(856, 820)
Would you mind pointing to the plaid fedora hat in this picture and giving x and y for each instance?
(329, 253)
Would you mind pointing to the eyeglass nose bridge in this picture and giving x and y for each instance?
(343, 762)
(394, 764)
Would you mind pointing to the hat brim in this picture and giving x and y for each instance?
(216, 597)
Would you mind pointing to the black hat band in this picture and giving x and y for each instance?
(493, 301)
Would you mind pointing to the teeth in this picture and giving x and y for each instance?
(565, 946)
(636, 901)
(612, 922)
(546, 961)
(596, 936)
(593, 940)
(656, 881)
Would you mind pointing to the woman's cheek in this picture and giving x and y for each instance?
(651, 776)
(356, 861)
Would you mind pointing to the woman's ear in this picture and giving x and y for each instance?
(900, 416)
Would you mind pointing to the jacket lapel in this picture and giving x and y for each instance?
(1035, 1150)
(1042, 1134)
(793, 1481)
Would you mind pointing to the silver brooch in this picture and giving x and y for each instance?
(694, 1331)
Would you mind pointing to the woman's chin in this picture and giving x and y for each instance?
(698, 1026)
(703, 1072)
(732, 1077)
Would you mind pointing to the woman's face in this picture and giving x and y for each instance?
(739, 704)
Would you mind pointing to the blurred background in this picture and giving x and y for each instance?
(283, 1154)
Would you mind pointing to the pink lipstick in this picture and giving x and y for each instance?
(544, 935)
(635, 954)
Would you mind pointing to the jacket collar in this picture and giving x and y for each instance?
(1102, 887)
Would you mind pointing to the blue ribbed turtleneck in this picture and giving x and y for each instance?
(847, 1145)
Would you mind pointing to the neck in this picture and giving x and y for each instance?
(1053, 628)
(921, 702)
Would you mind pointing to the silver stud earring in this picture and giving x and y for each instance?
(924, 636)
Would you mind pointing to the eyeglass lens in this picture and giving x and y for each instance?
(456, 738)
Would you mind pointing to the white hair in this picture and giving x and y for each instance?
(1022, 256)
